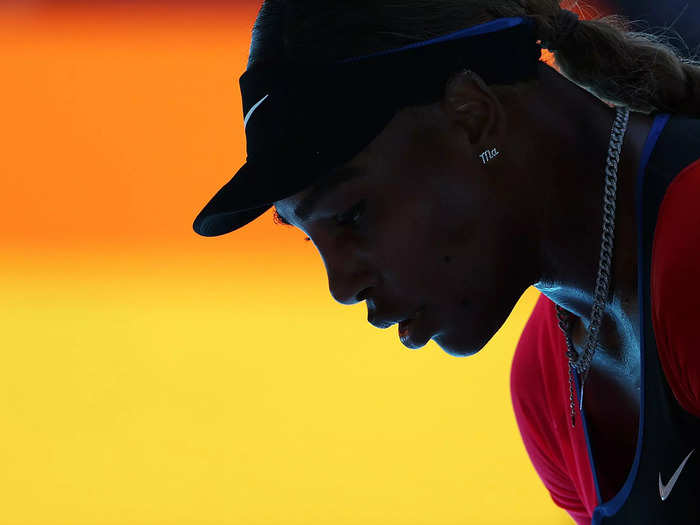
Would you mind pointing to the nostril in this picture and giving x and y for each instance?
(362, 295)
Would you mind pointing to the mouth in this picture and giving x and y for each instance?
(407, 330)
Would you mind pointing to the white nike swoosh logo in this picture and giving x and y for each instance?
(250, 111)
(665, 490)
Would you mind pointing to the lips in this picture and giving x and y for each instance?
(403, 327)
(384, 320)
(407, 329)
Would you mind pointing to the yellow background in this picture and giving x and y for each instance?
(152, 376)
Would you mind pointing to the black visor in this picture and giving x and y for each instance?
(304, 119)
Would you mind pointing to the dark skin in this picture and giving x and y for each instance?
(441, 229)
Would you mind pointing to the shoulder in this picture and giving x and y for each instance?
(539, 393)
(538, 375)
(535, 342)
(675, 286)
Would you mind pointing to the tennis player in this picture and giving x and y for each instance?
(440, 168)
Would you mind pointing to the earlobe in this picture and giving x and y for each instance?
(474, 118)
(489, 154)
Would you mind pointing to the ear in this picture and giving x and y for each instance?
(471, 104)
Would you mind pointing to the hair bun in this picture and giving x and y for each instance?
(564, 24)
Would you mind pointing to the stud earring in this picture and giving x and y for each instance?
(488, 155)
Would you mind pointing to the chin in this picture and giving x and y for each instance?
(455, 347)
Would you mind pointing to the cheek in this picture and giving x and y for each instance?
(452, 257)
(432, 232)
(483, 270)
(425, 252)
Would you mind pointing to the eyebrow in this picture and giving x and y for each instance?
(337, 177)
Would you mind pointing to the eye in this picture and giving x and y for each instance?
(352, 216)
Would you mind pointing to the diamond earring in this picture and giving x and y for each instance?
(489, 155)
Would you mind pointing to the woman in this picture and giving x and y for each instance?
(440, 169)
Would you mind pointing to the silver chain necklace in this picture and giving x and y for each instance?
(602, 285)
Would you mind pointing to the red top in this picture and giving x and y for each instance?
(539, 374)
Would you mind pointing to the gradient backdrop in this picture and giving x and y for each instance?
(152, 376)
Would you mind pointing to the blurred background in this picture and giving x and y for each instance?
(152, 376)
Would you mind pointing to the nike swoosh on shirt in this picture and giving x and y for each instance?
(665, 490)
(250, 111)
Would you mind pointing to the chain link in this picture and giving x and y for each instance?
(602, 286)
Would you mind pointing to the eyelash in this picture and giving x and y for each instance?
(340, 219)
(353, 213)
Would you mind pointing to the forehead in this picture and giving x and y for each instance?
(298, 207)
(394, 140)
(285, 208)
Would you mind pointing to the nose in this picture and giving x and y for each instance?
(349, 278)
(348, 267)
(348, 287)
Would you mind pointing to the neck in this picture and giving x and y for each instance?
(571, 236)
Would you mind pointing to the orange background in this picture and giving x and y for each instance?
(154, 376)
